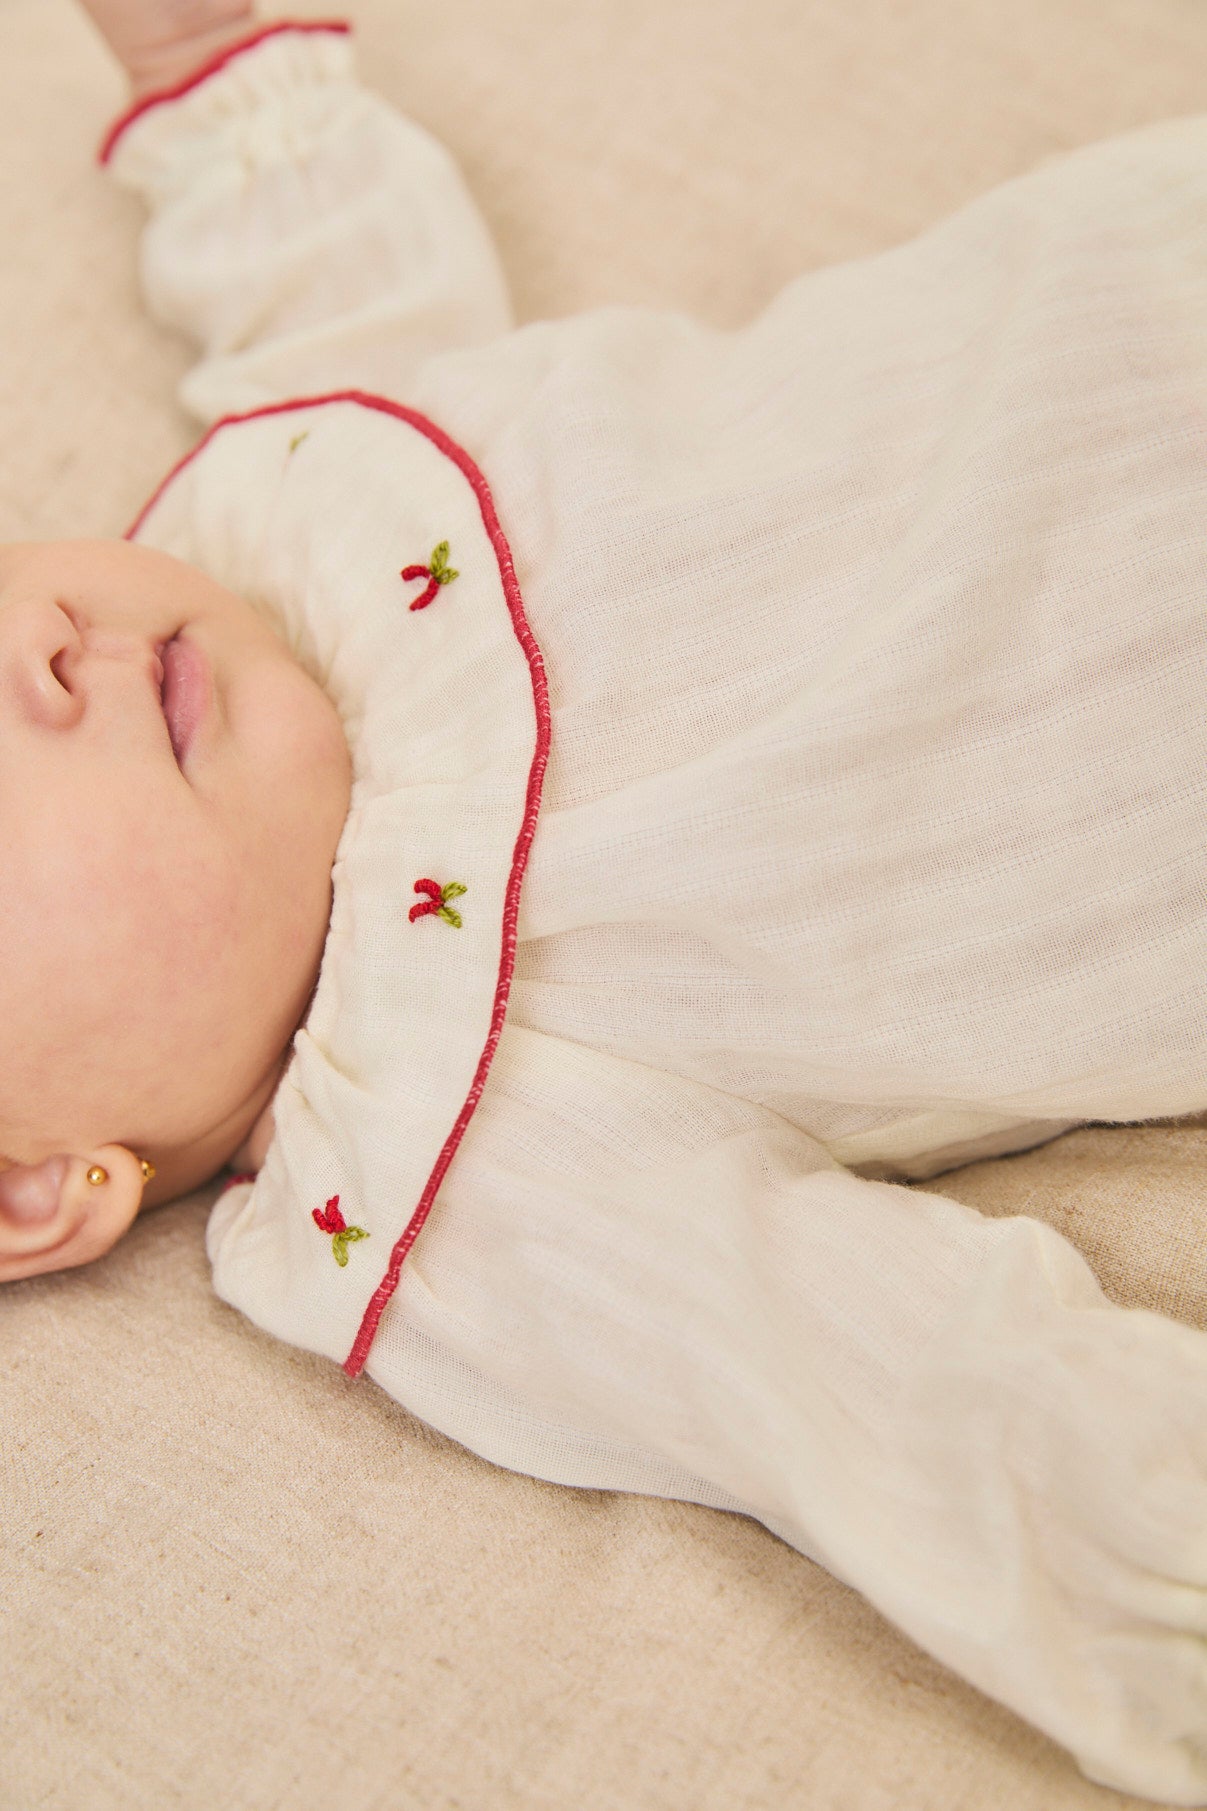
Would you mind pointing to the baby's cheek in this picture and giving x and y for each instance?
(304, 768)
(307, 730)
(182, 922)
(210, 977)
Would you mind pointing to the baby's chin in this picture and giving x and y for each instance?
(240, 1143)
(252, 1152)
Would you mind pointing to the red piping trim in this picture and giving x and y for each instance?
(355, 1360)
(210, 67)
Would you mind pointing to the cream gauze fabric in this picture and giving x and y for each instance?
(871, 838)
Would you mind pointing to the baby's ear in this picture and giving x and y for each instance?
(52, 1217)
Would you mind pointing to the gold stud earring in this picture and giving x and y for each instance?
(96, 1175)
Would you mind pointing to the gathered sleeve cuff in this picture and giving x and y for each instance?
(302, 232)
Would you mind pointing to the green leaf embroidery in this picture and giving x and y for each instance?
(446, 575)
(452, 891)
(341, 1240)
(439, 559)
(297, 440)
(454, 918)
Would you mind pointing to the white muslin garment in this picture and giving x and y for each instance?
(871, 838)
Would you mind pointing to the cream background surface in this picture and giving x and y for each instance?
(187, 1612)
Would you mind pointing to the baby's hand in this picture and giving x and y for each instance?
(158, 42)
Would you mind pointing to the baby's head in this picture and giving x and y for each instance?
(161, 920)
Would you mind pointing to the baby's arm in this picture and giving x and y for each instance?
(303, 232)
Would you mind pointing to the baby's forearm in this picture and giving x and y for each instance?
(160, 42)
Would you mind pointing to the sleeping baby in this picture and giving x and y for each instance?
(578, 816)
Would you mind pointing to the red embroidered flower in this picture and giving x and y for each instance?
(437, 901)
(330, 1220)
(437, 572)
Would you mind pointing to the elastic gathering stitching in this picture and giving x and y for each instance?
(202, 73)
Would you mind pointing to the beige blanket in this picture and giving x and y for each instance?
(184, 1617)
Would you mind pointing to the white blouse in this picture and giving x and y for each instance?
(815, 726)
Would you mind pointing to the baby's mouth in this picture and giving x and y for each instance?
(185, 691)
(158, 677)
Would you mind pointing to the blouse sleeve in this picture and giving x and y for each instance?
(302, 232)
(943, 1409)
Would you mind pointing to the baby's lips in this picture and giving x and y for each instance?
(29, 1196)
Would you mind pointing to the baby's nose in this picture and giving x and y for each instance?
(39, 651)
